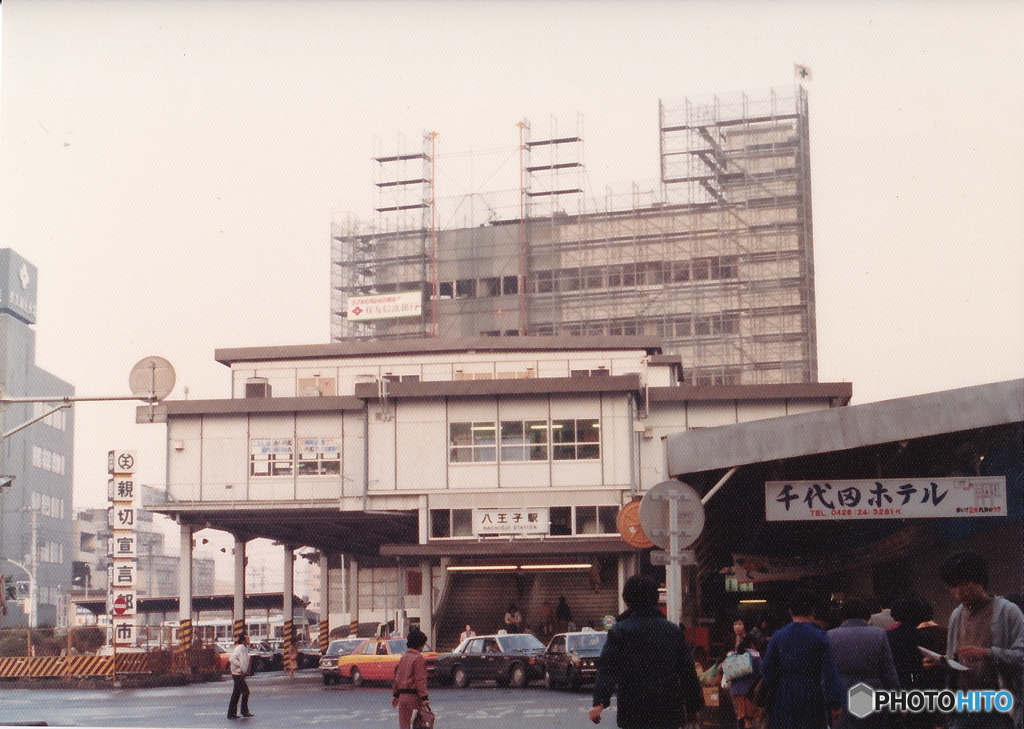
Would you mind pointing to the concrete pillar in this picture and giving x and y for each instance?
(288, 610)
(325, 603)
(427, 601)
(185, 587)
(238, 581)
(353, 594)
(400, 621)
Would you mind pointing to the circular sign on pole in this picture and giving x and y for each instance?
(655, 517)
(628, 524)
(152, 378)
(120, 605)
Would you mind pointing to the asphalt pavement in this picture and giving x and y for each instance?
(280, 702)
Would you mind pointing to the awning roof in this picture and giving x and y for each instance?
(840, 429)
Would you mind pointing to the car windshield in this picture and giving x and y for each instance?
(520, 642)
(342, 648)
(586, 641)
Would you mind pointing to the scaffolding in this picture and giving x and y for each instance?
(717, 261)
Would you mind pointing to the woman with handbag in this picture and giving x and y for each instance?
(410, 685)
(740, 682)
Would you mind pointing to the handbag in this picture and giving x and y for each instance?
(424, 718)
(737, 665)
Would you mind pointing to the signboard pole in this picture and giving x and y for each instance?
(674, 570)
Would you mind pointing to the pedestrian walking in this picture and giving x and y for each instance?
(647, 663)
(863, 655)
(799, 671)
(409, 689)
(239, 670)
(986, 634)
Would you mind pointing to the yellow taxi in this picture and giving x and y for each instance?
(375, 660)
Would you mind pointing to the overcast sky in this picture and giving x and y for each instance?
(172, 168)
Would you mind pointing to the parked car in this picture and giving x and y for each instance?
(375, 660)
(223, 651)
(509, 659)
(329, 660)
(263, 657)
(308, 654)
(571, 658)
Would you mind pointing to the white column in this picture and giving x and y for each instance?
(289, 584)
(353, 594)
(185, 573)
(238, 610)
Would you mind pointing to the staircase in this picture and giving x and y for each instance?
(480, 600)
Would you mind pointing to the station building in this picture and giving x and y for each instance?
(440, 479)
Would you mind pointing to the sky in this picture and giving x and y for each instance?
(173, 167)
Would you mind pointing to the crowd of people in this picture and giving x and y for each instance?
(803, 673)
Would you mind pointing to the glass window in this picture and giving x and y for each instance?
(319, 456)
(576, 439)
(271, 456)
(561, 524)
(462, 522)
(524, 440)
(472, 442)
(440, 523)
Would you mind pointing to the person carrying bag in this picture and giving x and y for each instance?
(410, 685)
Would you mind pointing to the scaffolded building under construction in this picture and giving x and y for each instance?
(718, 261)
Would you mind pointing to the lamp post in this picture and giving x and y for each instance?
(150, 380)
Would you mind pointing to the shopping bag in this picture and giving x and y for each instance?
(737, 665)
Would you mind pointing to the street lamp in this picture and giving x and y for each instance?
(150, 380)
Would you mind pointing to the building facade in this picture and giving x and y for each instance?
(717, 262)
(36, 508)
(440, 477)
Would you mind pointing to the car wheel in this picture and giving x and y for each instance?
(517, 676)
(549, 681)
(357, 677)
(327, 680)
(459, 677)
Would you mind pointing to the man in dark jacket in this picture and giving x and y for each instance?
(647, 662)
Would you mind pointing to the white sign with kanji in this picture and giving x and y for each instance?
(511, 521)
(124, 632)
(893, 498)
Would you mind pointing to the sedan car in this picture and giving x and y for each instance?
(329, 660)
(571, 658)
(375, 660)
(509, 659)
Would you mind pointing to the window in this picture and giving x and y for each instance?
(510, 285)
(319, 456)
(576, 439)
(544, 282)
(47, 460)
(465, 288)
(271, 456)
(472, 442)
(47, 505)
(524, 440)
(54, 420)
(445, 290)
(490, 286)
(596, 519)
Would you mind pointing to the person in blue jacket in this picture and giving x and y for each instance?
(647, 662)
(800, 672)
